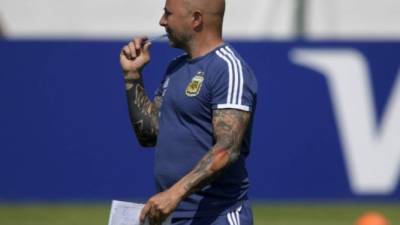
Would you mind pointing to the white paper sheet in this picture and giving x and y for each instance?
(128, 213)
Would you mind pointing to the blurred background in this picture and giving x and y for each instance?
(326, 138)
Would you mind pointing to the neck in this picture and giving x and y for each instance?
(202, 44)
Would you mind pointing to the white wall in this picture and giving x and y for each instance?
(354, 18)
(244, 19)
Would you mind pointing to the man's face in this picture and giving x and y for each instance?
(176, 21)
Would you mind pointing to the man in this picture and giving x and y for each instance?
(199, 121)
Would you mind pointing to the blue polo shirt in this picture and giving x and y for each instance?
(191, 90)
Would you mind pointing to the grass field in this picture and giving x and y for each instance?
(265, 214)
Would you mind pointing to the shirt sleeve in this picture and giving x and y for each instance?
(235, 86)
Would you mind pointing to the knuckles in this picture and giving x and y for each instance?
(164, 211)
(158, 206)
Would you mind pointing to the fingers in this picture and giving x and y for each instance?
(126, 52)
(138, 42)
(136, 47)
(146, 47)
(155, 216)
(153, 213)
(145, 211)
(133, 51)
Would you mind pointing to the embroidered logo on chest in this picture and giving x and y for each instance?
(194, 87)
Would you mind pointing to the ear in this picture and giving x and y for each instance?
(197, 20)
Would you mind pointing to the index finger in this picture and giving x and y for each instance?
(144, 212)
(139, 42)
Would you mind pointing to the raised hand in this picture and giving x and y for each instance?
(134, 56)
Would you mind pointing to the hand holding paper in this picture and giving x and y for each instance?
(127, 213)
(160, 206)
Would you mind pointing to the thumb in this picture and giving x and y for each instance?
(146, 48)
(144, 212)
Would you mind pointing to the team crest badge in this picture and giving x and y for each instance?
(193, 89)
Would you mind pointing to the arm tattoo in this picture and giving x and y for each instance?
(229, 128)
(143, 112)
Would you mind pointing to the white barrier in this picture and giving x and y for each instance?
(244, 19)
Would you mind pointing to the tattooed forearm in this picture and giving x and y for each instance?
(143, 112)
(207, 169)
(229, 128)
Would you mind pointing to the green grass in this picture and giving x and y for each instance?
(321, 214)
(265, 214)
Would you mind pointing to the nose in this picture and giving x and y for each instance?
(163, 21)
